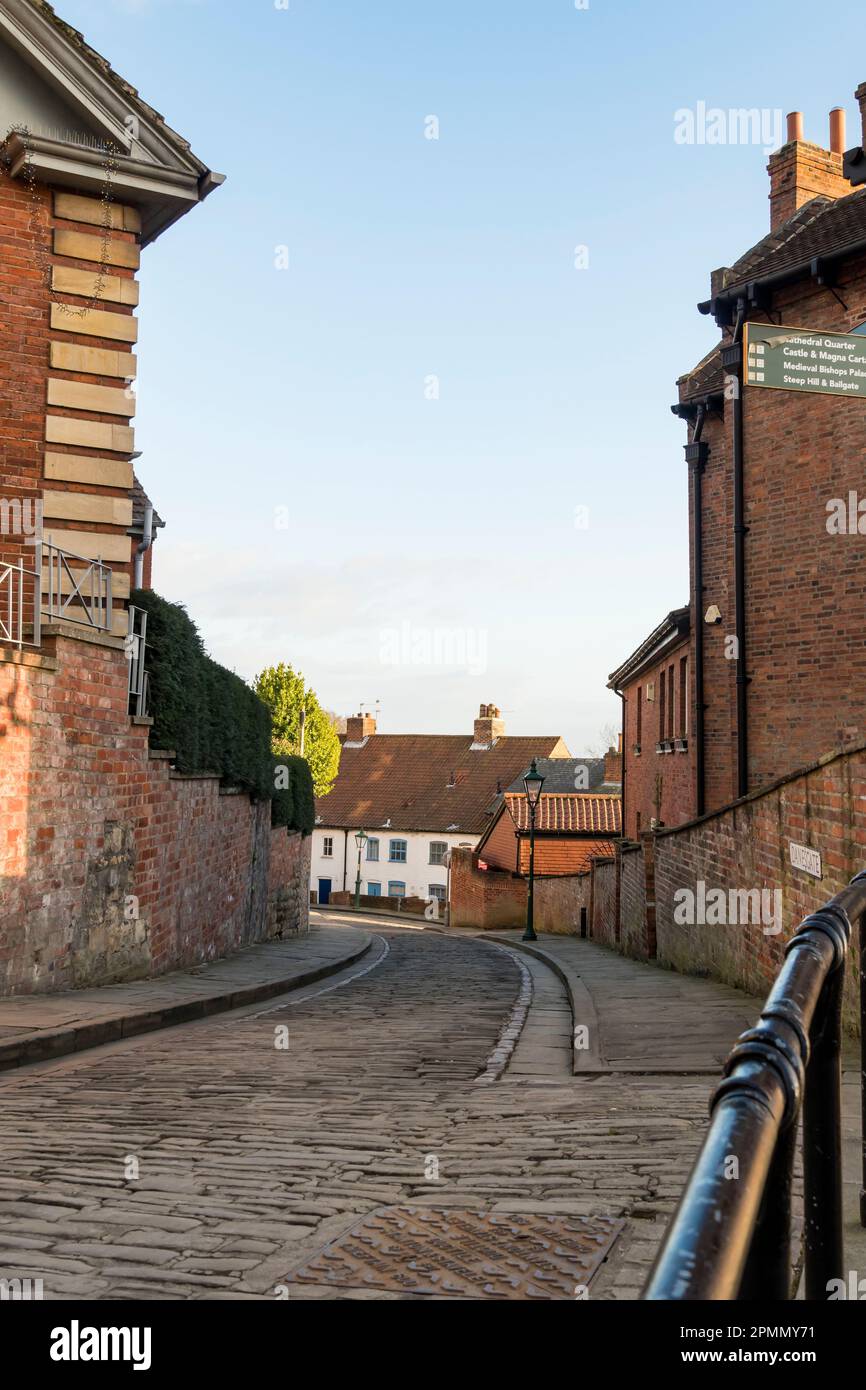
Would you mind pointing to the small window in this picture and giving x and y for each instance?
(438, 851)
(670, 702)
(437, 891)
(637, 823)
(662, 685)
(373, 851)
(639, 725)
(397, 852)
(374, 890)
(684, 696)
(396, 890)
(328, 847)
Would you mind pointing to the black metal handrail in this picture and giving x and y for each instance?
(730, 1237)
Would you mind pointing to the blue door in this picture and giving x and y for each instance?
(324, 891)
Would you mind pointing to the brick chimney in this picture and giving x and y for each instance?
(613, 764)
(359, 726)
(800, 171)
(488, 726)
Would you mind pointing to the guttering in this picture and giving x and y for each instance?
(752, 291)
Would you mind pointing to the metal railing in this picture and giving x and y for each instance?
(70, 587)
(14, 604)
(731, 1235)
(136, 647)
(88, 597)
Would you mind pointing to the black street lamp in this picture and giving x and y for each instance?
(532, 784)
(360, 841)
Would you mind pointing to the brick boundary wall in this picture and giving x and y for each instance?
(633, 903)
(603, 921)
(112, 866)
(558, 902)
(484, 898)
(741, 848)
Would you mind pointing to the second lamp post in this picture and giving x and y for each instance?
(532, 784)
(360, 841)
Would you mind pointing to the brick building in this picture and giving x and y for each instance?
(418, 796)
(772, 651)
(571, 826)
(654, 683)
(90, 174)
(112, 864)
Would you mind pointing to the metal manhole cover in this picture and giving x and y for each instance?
(455, 1253)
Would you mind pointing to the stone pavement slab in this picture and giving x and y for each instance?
(36, 1027)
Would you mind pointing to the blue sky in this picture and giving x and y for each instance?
(321, 508)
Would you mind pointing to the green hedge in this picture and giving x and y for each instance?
(209, 716)
(293, 804)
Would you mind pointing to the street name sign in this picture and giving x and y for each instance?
(805, 858)
(799, 359)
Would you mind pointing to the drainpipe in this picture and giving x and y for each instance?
(740, 531)
(696, 454)
(345, 855)
(621, 694)
(144, 544)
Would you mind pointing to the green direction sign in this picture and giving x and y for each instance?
(798, 359)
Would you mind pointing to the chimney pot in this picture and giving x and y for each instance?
(795, 126)
(837, 130)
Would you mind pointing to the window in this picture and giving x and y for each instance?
(684, 697)
(397, 852)
(670, 702)
(662, 684)
(436, 890)
(374, 890)
(637, 823)
(328, 847)
(639, 725)
(396, 890)
(438, 851)
(373, 850)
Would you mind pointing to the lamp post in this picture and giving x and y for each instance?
(360, 841)
(532, 784)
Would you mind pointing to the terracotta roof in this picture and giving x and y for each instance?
(426, 781)
(575, 813)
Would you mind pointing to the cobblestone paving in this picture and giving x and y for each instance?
(209, 1161)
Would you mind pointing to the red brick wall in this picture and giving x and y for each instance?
(558, 902)
(633, 899)
(743, 847)
(111, 866)
(805, 653)
(603, 927)
(484, 898)
(658, 784)
(746, 847)
(24, 248)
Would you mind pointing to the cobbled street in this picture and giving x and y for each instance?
(250, 1148)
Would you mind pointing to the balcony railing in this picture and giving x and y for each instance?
(76, 589)
(731, 1235)
(19, 611)
(70, 588)
(136, 647)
